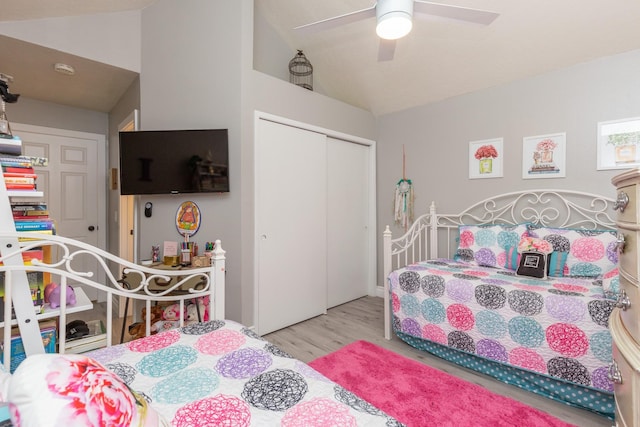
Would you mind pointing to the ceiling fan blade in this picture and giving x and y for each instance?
(386, 50)
(476, 16)
(337, 21)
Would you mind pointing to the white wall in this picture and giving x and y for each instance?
(436, 137)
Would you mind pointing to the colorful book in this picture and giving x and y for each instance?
(34, 225)
(28, 206)
(36, 281)
(14, 169)
(16, 161)
(8, 180)
(29, 215)
(48, 330)
(19, 175)
(20, 186)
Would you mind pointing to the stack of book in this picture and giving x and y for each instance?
(32, 216)
(48, 330)
(37, 284)
(18, 172)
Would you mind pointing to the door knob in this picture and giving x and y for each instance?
(91, 228)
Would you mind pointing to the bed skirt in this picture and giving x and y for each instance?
(576, 395)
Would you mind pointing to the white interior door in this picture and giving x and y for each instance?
(291, 225)
(348, 221)
(73, 182)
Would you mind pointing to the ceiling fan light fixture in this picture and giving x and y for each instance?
(394, 18)
(394, 25)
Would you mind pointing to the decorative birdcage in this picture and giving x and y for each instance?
(301, 71)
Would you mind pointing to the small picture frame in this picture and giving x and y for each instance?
(543, 156)
(618, 144)
(485, 158)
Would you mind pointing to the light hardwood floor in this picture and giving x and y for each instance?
(362, 320)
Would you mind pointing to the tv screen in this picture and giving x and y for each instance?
(174, 161)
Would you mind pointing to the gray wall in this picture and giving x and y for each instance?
(436, 137)
(190, 79)
(39, 113)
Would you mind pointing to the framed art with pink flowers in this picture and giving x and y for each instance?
(485, 158)
(543, 156)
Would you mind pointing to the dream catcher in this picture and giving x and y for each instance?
(403, 213)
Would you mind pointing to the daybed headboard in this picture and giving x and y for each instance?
(74, 262)
(434, 235)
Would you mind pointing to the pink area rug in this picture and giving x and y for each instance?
(418, 395)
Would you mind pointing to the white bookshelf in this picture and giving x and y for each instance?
(82, 303)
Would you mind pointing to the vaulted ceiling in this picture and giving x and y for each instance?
(440, 58)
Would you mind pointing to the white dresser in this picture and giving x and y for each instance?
(625, 319)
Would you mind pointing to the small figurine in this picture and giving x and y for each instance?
(155, 253)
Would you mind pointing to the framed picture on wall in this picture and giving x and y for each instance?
(485, 158)
(618, 144)
(543, 156)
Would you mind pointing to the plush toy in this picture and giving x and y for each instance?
(192, 314)
(52, 295)
(137, 330)
(203, 303)
(172, 312)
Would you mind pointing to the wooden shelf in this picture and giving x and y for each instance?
(82, 303)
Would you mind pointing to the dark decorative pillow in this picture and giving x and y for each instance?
(534, 257)
(532, 264)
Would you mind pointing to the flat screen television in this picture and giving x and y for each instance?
(174, 161)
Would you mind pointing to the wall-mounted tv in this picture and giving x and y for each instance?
(174, 161)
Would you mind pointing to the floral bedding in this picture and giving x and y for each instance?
(221, 373)
(556, 326)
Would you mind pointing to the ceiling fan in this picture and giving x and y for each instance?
(394, 19)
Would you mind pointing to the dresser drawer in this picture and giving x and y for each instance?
(628, 259)
(629, 304)
(625, 371)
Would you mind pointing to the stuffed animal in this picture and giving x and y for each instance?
(192, 314)
(137, 330)
(203, 302)
(172, 312)
(52, 295)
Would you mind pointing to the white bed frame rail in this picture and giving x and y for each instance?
(68, 255)
(434, 235)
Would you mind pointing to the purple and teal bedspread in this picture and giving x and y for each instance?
(551, 332)
(221, 373)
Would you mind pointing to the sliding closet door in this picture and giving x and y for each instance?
(291, 225)
(348, 221)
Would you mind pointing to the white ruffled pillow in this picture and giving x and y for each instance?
(73, 390)
(5, 379)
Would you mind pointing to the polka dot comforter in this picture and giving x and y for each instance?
(220, 373)
(555, 327)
